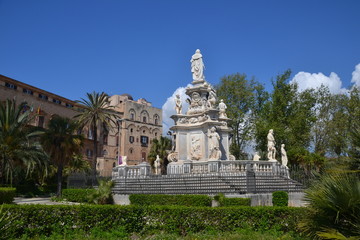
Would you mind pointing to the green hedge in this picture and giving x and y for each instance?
(77, 195)
(280, 198)
(226, 202)
(7, 195)
(162, 199)
(35, 220)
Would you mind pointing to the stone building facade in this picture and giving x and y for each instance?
(44, 105)
(130, 137)
(139, 124)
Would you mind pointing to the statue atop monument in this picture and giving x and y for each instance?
(271, 146)
(197, 66)
(222, 109)
(178, 104)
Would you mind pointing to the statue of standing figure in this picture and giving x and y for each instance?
(284, 159)
(157, 165)
(214, 144)
(212, 99)
(178, 104)
(271, 146)
(222, 109)
(197, 66)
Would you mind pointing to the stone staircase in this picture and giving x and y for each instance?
(235, 183)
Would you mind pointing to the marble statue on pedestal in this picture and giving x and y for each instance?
(284, 159)
(271, 146)
(214, 144)
(178, 104)
(157, 165)
(256, 157)
(222, 109)
(197, 66)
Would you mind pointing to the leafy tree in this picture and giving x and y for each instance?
(290, 114)
(324, 110)
(160, 147)
(61, 143)
(240, 95)
(19, 149)
(96, 112)
(77, 165)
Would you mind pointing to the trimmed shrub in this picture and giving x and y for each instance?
(34, 220)
(236, 202)
(77, 195)
(226, 202)
(162, 199)
(7, 195)
(280, 198)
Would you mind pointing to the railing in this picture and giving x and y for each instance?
(219, 167)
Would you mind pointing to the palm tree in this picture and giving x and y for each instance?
(160, 147)
(18, 145)
(333, 207)
(61, 144)
(97, 112)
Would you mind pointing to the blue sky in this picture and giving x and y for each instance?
(143, 47)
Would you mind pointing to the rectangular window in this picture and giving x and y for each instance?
(90, 134)
(144, 141)
(41, 121)
(56, 101)
(42, 96)
(89, 153)
(68, 105)
(28, 91)
(105, 139)
(131, 139)
(132, 116)
(10, 85)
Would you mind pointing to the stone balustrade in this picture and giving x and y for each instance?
(222, 167)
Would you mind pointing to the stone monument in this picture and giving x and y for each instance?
(202, 133)
(200, 161)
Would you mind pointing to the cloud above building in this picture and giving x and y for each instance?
(168, 108)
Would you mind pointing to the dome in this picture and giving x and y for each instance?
(128, 96)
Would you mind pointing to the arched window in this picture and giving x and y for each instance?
(144, 119)
(132, 114)
(156, 119)
(114, 164)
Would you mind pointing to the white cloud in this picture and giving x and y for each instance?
(168, 108)
(307, 80)
(356, 76)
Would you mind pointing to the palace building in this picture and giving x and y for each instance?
(129, 139)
